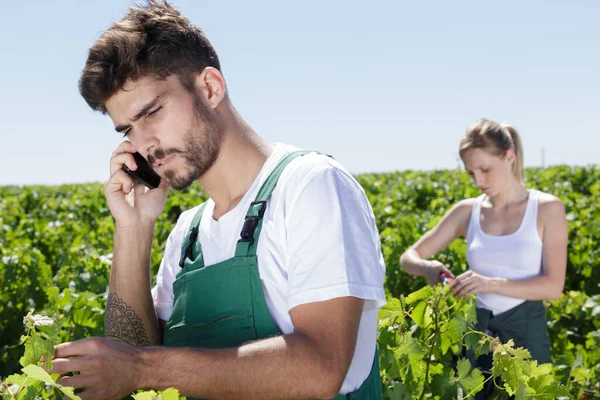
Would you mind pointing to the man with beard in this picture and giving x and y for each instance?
(271, 288)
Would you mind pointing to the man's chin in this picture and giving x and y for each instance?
(179, 183)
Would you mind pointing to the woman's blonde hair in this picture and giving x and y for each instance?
(496, 139)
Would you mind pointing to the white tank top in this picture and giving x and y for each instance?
(516, 256)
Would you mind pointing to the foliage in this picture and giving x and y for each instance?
(427, 345)
(36, 382)
(56, 250)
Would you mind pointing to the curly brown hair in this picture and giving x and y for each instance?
(153, 39)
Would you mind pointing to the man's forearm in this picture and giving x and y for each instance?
(282, 367)
(130, 314)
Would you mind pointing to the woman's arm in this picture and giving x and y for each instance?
(453, 225)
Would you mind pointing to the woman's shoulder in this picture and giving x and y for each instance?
(460, 214)
(549, 205)
(464, 206)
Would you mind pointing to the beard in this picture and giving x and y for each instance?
(202, 144)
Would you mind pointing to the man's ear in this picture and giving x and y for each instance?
(210, 85)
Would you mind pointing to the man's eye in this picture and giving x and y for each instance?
(126, 133)
(484, 170)
(153, 113)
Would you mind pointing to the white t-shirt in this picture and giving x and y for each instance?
(319, 241)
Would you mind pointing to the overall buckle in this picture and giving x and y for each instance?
(187, 253)
(251, 222)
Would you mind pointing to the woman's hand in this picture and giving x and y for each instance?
(433, 270)
(471, 282)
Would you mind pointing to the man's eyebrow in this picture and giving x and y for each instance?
(141, 113)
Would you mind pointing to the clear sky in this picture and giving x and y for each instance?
(381, 85)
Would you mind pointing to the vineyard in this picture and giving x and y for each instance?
(56, 249)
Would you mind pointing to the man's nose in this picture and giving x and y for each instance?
(147, 143)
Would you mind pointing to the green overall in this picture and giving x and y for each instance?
(224, 305)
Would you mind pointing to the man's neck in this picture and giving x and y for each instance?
(243, 154)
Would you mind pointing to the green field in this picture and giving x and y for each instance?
(55, 254)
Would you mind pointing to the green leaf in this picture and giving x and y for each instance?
(67, 391)
(523, 393)
(35, 372)
(29, 393)
(15, 379)
(545, 387)
(147, 395)
(53, 331)
(35, 347)
(442, 384)
(415, 353)
(392, 304)
(458, 326)
(421, 294)
(471, 316)
(484, 346)
(471, 380)
(422, 315)
(472, 340)
(170, 394)
(511, 364)
(445, 340)
(435, 368)
(398, 391)
(542, 369)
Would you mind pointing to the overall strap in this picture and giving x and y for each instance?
(248, 242)
(191, 244)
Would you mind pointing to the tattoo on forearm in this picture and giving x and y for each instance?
(122, 323)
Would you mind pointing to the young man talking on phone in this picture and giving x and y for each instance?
(271, 288)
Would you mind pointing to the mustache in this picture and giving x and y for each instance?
(160, 154)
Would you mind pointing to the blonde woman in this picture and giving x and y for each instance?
(516, 241)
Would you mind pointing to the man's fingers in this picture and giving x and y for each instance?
(65, 365)
(119, 159)
(79, 381)
(125, 146)
(139, 189)
(117, 182)
(77, 348)
(89, 395)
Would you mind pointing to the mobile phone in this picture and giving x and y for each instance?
(144, 172)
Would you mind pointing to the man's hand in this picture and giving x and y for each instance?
(107, 369)
(147, 204)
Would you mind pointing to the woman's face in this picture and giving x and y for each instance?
(490, 173)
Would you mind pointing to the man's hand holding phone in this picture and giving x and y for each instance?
(147, 205)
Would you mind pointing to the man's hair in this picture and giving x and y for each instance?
(153, 39)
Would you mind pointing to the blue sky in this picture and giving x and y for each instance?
(380, 85)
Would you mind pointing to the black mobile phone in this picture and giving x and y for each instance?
(144, 172)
